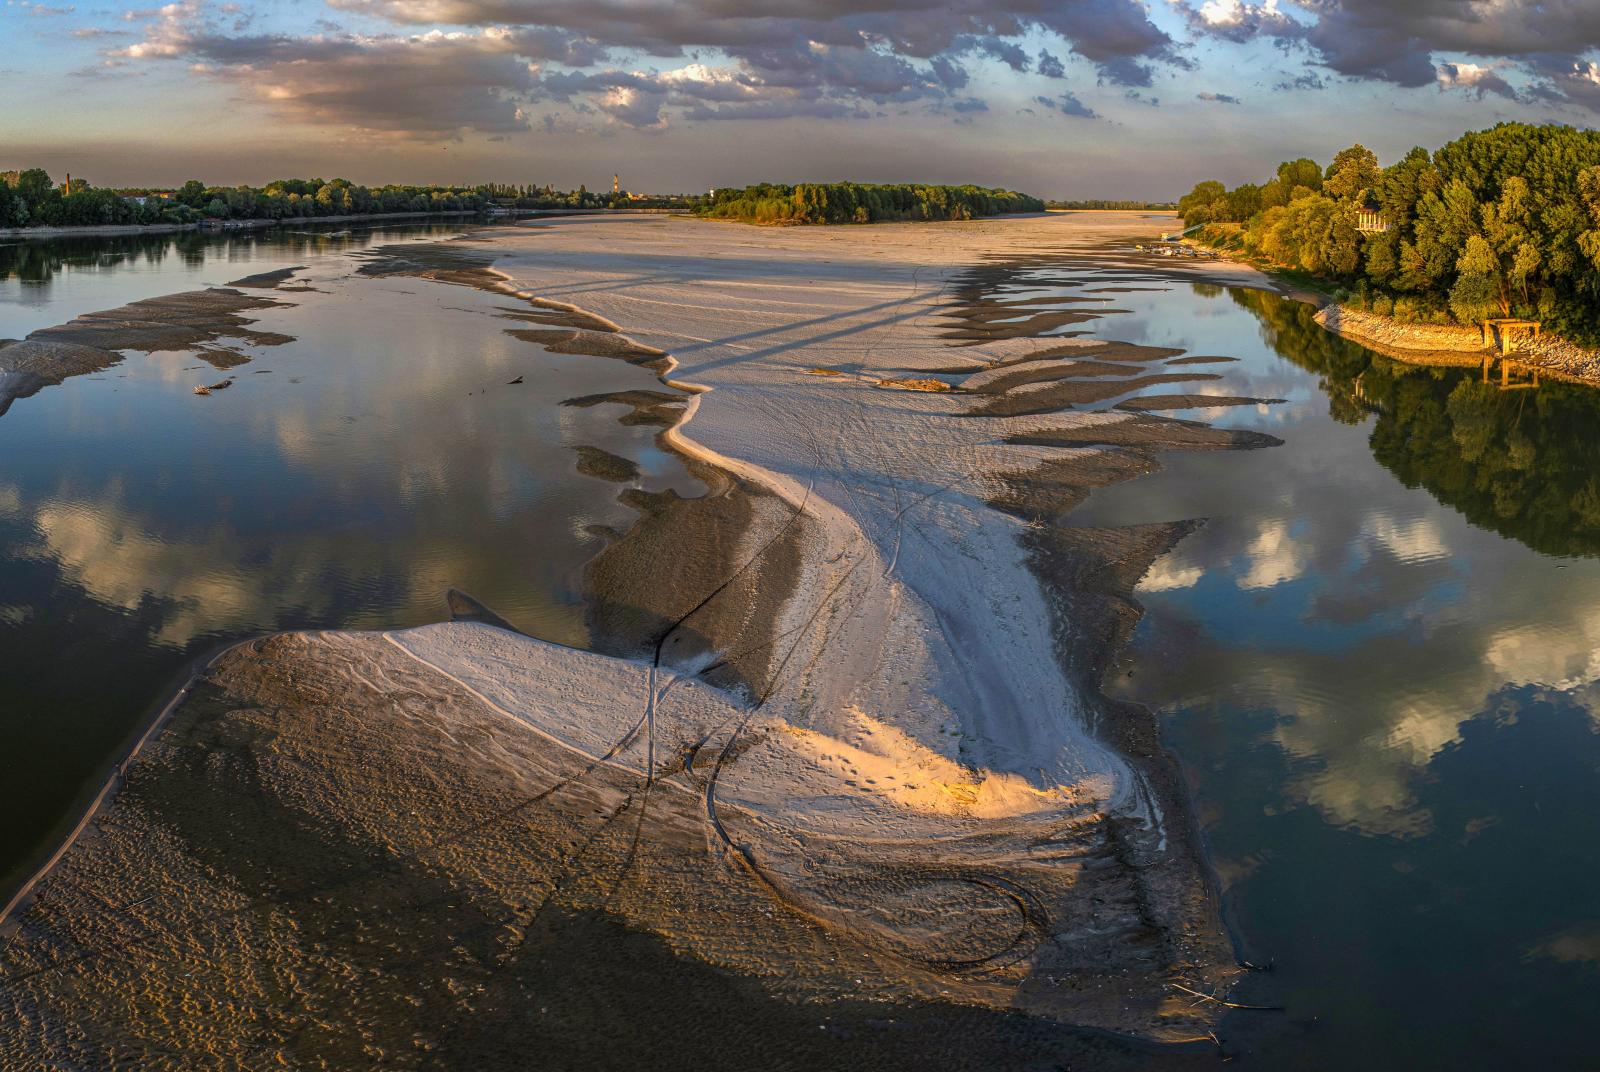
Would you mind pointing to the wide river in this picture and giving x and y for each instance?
(347, 479)
(1377, 661)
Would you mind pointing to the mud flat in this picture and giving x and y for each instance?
(90, 343)
(838, 789)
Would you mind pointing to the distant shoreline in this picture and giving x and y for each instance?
(223, 226)
(116, 230)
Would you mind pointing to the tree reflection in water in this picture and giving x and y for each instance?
(1522, 464)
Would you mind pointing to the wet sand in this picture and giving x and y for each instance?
(841, 763)
(90, 343)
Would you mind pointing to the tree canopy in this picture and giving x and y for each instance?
(854, 202)
(1500, 222)
(31, 199)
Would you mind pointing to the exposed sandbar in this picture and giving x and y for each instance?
(90, 343)
(842, 746)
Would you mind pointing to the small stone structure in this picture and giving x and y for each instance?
(1503, 333)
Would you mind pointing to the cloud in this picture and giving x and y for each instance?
(106, 68)
(1415, 43)
(1068, 104)
(41, 11)
(432, 86)
(1308, 80)
(1007, 52)
(1476, 78)
(1237, 20)
(1118, 36)
(817, 58)
(1218, 98)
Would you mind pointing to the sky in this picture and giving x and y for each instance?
(1059, 98)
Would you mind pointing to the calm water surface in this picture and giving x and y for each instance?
(1378, 664)
(347, 479)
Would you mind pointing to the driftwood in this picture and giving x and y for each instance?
(1228, 1004)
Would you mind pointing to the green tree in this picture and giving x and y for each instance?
(1302, 172)
(191, 193)
(34, 187)
(1353, 173)
(1196, 205)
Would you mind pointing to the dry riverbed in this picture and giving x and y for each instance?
(838, 789)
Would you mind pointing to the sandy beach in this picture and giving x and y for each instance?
(841, 752)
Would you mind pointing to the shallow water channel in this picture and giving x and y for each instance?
(1378, 663)
(346, 479)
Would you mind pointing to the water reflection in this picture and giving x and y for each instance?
(1378, 661)
(1522, 463)
(44, 282)
(347, 479)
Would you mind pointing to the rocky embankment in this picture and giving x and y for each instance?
(1440, 343)
(1385, 333)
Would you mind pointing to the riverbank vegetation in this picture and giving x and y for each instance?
(32, 199)
(1101, 204)
(855, 202)
(1498, 223)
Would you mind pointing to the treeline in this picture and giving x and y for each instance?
(1102, 205)
(31, 199)
(1501, 222)
(855, 202)
(510, 195)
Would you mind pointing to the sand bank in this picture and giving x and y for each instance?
(846, 748)
(91, 343)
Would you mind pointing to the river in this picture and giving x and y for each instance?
(1376, 661)
(346, 480)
